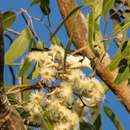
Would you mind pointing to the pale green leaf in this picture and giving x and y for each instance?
(90, 3)
(107, 5)
(56, 41)
(121, 27)
(86, 126)
(91, 32)
(122, 75)
(113, 118)
(34, 2)
(47, 121)
(25, 68)
(106, 88)
(98, 122)
(115, 62)
(9, 18)
(67, 49)
(95, 113)
(25, 94)
(19, 46)
(35, 72)
(40, 44)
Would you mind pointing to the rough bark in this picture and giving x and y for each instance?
(9, 118)
(79, 39)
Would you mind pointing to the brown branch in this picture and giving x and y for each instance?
(9, 118)
(34, 34)
(79, 39)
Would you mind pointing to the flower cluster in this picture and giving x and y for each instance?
(70, 93)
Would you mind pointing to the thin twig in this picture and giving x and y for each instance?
(22, 86)
(39, 20)
(12, 31)
(34, 34)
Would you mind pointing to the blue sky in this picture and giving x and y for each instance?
(55, 19)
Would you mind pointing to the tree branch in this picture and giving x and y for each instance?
(79, 39)
(9, 118)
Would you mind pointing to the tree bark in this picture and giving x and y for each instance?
(9, 118)
(79, 39)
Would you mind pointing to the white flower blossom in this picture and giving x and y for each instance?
(36, 56)
(94, 91)
(48, 73)
(57, 52)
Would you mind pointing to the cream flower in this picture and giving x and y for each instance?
(57, 52)
(94, 91)
(36, 56)
(75, 62)
(48, 73)
(66, 90)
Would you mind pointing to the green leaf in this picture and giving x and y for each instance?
(34, 2)
(40, 44)
(113, 118)
(98, 122)
(95, 113)
(115, 62)
(25, 68)
(106, 88)
(121, 27)
(18, 47)
(22, 112)
(35, 72)
(25, 94)
(9, 18)
(44, 6)
(122, 75)
(125, 50)
(91, 32)
(12, 97)
(90, 3)
(56, 41)
(107, 5)
(47, 121)
(67, 49)
(64, 20)
(86, 126)
(32, 45)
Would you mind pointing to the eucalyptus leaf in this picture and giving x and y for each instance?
(47, 121)
(40, 44)
(44, 6)
(121, 27)
(25, 94)
(115, 62)
(34, 2)
(91, 32)
(25, 68)
(67, 49)
(90, 3)
(98, 122)
(113, 118)
(56, 41)
(107, 5)
(95, 113)
(9, 18)
(18, 47)
(122, 75)
(86, 126)
(35, 72)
